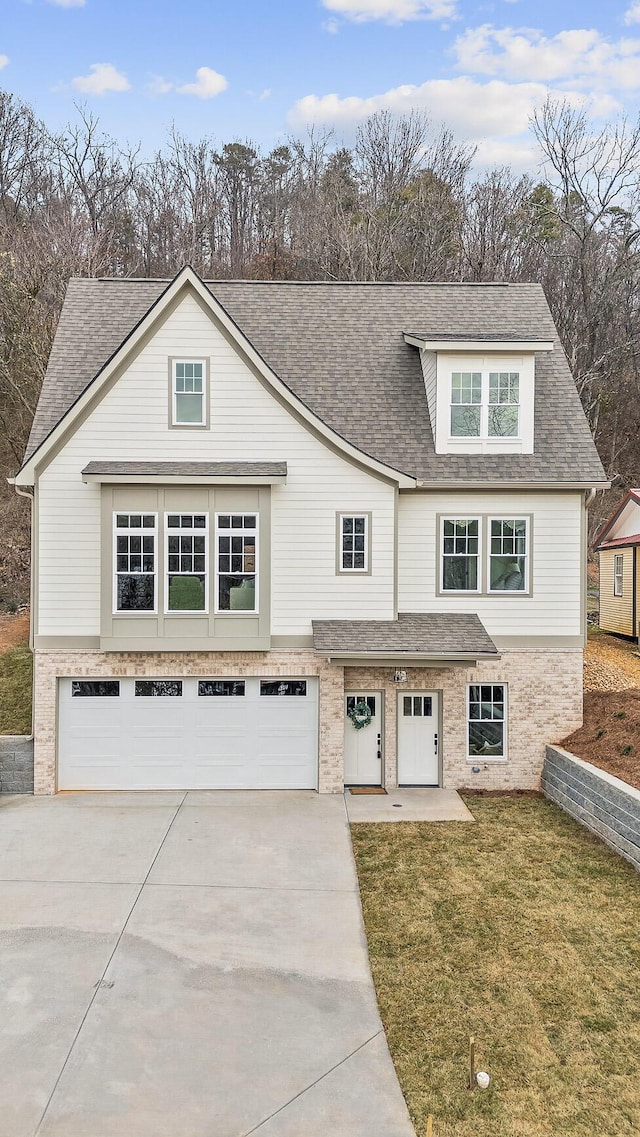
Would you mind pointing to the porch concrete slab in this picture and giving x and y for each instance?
(411, 804)
(259, 839)
(341, 1104)
(55, 943)
(100, 837)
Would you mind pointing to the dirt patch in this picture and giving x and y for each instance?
(610, 736)
(611, 664)
(14, 630)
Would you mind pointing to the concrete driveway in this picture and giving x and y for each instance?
(185, 965)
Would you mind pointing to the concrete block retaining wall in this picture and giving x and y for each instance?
(605, 805)
(16, 764)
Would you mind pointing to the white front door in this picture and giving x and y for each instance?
(418, 738)
(363, 747)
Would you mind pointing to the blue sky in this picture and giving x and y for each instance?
(260, 70)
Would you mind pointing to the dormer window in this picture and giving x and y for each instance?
(485, 404)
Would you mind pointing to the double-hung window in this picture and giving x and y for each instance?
(188, 392)
(354, 542)
(485, 404)
(508, 555)
(237, 562)
(186, 545)
(461, 555)
(135, 546)
(486, 722)
(618, 574)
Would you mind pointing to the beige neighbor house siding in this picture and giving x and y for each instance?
(247, 423)
(553, 608)
(544, 701)
(616, 612)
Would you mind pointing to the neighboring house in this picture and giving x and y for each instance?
(306, 534)
(617, 545)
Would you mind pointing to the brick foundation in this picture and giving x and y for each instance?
(545, 704)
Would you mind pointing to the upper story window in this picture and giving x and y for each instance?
(485, 404)
(618, 574)
(135, 548)
(188, 392)
(237, 562)
(508, 555)
(353, 542)
(461, 555)
(187, 535)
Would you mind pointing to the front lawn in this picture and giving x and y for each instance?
(522, 930)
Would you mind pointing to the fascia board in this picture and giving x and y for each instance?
(483, 346)
(27, 474)
(187, 480)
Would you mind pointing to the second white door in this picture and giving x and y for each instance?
(418, 763)
(363, 746)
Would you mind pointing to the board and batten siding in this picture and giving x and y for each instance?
(553, 608)
(247, 423)
(616, 612)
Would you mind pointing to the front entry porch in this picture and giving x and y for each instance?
(414, 804)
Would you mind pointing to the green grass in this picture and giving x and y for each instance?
(522, 930)
(16, 666)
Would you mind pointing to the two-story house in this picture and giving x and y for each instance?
(305, 535)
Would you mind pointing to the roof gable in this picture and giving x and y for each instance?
(339, 349)
(624, 524)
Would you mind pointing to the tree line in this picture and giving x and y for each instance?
(402, 203)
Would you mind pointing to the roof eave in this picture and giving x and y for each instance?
(416, 659)
(457, 345)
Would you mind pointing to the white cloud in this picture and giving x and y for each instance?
(264, 95)
(104, 78)
(68, 3)
(582, 57)
(159, 86)
(4, 59)
(632, 14)
(392, 11)
(471, 109)
(208, 84)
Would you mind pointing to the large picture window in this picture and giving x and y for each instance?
(508, 555)
(461, 555)
(188, 392)
(186, 535)
(135, 547)
(237, 562)
(486, 722)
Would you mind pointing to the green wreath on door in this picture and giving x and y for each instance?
(360, 715)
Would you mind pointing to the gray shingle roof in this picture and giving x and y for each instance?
(340, 348)
(188, 469)
(413, 633)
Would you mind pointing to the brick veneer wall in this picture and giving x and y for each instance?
(50, 665)
(544, 705)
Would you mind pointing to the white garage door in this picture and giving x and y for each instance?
(142, 734)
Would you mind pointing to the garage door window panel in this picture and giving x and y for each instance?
(284, 687)
(135, 549)
(95, 689)
(187, 562)
(158, 688)
(221, 688)
(237, 562)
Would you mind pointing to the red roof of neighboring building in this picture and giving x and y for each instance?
(620, 542)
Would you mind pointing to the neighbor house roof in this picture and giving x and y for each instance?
(340, 349)
(437, 635)
(632, 495)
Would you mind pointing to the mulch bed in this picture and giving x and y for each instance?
(610, 735)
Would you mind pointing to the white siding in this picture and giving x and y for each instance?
(247, 423)
(429, 362)
(554, 607)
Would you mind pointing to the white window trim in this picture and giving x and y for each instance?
(239, 532)
(481, 760)
(191, 532)
(516, 591)
(618, 577)
(484, 407)
(118, 530)
(174, 394)
(461, 591)
(350, 571)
